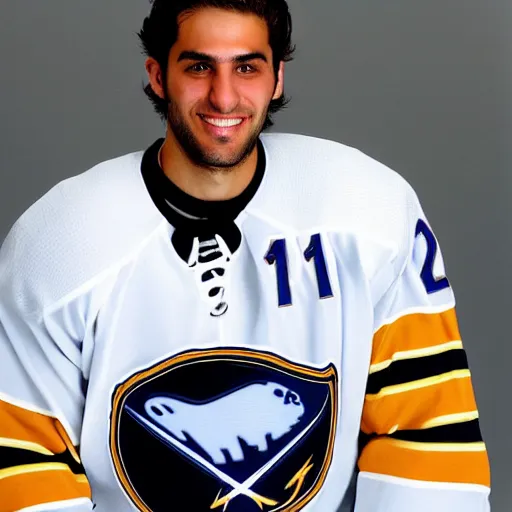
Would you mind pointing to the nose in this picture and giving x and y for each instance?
(292, 397)
(223, 94)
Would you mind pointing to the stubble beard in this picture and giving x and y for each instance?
(198, 154)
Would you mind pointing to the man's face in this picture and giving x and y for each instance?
(219, 85)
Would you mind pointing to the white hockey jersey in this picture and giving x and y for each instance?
(329, 343)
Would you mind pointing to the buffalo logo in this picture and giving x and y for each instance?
(233, 430)
(238, 419)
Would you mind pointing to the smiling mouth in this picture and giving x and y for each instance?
(222, 123)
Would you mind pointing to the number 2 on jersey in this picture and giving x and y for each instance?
(277, 255)
(431, 284)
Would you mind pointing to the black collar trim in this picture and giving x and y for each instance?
(211, 217)
(162, 190)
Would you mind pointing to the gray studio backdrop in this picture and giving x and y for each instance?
(424, 87)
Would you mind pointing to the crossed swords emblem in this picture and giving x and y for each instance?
(243, 488)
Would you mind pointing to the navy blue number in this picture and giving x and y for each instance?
(427, 276)
(277, 255)
(315, 252)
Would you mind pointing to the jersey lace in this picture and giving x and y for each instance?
(209, 260)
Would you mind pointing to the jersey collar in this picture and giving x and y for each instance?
(191, 216)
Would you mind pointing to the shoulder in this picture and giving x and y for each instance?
(330, 183)
(78, 229)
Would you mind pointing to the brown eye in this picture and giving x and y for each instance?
(199, 67)
(246, 69)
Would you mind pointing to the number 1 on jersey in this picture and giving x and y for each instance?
(277, 254)
(315, 252)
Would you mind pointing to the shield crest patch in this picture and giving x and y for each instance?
(224, 429)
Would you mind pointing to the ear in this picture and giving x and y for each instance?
(156, 79)
(280, 82)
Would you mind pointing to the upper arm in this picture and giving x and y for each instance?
(422, 441)
(40, 398)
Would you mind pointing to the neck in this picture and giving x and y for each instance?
(205, 183)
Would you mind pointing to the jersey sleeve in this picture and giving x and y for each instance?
(421, 443)
(41, 398)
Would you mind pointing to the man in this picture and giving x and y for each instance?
(231, 320)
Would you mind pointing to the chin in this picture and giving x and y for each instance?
(227, 155)
(222, 160)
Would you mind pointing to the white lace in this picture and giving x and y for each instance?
(211, 275)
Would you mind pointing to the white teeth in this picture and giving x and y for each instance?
(223, 123)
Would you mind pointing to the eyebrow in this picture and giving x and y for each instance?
(190, 55)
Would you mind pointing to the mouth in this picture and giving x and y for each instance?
(222, 126)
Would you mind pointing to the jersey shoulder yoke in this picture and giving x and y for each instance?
(80, 228)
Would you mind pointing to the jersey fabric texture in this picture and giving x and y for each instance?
(245, 368)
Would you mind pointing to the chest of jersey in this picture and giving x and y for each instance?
(244, 401)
